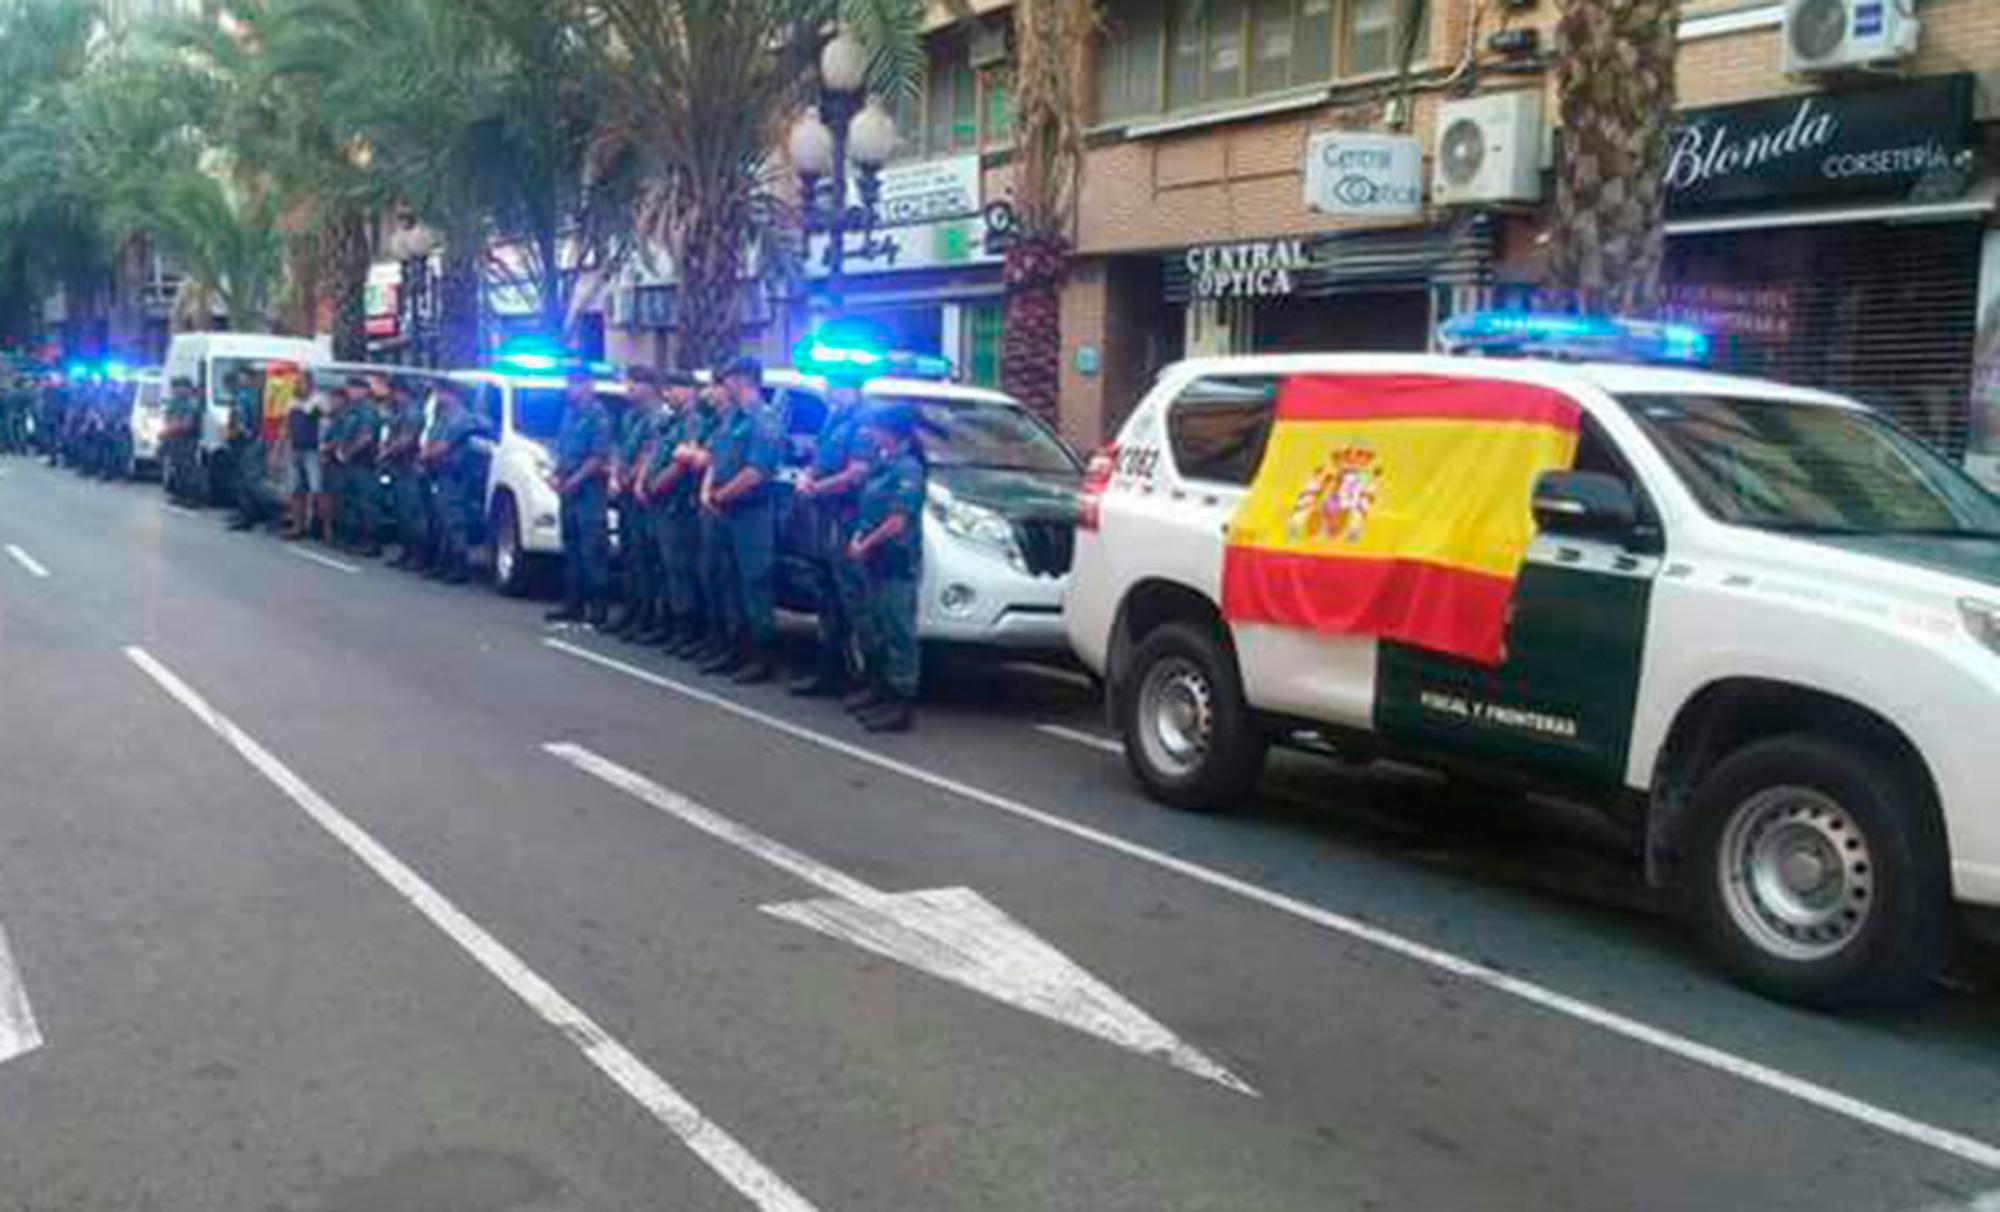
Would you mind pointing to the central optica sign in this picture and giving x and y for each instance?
(1362, 175)
(1252, 269)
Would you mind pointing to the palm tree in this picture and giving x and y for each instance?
(231, 245)
(1051, 41)
(704, 88)
(1615, 88)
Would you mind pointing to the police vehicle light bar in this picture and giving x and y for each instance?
(1574, 338)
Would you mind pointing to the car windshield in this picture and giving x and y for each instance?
(983, 433)
(1808, 468)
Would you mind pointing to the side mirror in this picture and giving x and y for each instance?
(1585, 504)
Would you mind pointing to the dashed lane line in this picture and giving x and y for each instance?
(722, 1153)
(1090, 740)
(307, 553)
(1882, 1119)
(28, 562)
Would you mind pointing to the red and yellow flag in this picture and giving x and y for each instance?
(1396, 506)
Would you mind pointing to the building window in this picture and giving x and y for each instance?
(983, 329)
(1186, 54)
(959, 108)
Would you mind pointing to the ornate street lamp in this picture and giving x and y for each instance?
(845, 125)
(412, 245)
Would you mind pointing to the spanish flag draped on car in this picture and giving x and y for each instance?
(1396, 506)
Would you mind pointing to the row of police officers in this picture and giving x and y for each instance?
(692, 476)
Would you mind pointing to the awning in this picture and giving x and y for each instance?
(1974, 205)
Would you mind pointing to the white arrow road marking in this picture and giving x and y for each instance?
(27, 561)
(1971, 1149)
(735, 1164)
(952, 933)
(19, 1034)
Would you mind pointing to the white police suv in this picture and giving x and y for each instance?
(521, 398)
(1760, 624)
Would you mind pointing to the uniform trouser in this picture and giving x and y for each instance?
(725, 613)
(888, 637)
(749, 539)
(249, 480)
(839, 590)
(586, 540)
(677, 538)
(451, 504)
(181, 469)
(643, 574)
(355, 507)
(411, 525)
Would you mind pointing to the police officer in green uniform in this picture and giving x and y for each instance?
(54, 419)
(180, 443)
(13, 418)
(737, 494)
(117, 430)
(830, 488)
(673, 478)
(711, 546)
(360, 436)
(452, 469)
(401, 440)
(583, 463)
(246, 447)
(638, 432)
(887, 543)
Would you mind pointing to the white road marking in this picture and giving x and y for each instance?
(307, 553)
(182, 510)
(19, 1033)
(707, 1140)
(952, 933)
(27, 561)
(1103, 744)
(1894, 1123)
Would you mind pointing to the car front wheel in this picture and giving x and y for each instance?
(1819, 874)
(1190, 739)
(510, 562)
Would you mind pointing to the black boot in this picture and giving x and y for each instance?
(826, 680)
(726, 660)
(862, 698)
(757, 670)
(599, 613)
(660, 627)
(568, 612)
(894, 715)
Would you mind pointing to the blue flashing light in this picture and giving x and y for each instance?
(920, 366)
(116, 371)
(1578, 338)
(76, 371)
(537, 362)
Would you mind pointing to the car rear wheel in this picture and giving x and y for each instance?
(1819, 874)
(1190, 740)
(511, 571)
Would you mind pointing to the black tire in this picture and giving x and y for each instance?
(1214, 764)
(512, 568)
(1888, 897)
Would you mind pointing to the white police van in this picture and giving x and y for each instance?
(1761, 624)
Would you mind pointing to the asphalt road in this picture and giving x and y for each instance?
(333, 890)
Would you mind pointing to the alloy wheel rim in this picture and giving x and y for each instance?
(1798, 877)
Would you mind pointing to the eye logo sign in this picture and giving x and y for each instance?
(1380, 176)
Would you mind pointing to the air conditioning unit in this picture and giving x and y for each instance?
(1825, 35)
(987, 46)
(1488, 149)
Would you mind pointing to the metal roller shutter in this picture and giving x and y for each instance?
(1877, 311)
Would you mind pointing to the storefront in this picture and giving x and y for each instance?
(940, 292)
(1380, 291)
(1834, 240)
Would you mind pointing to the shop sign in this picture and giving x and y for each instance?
(1763, 313)
(1253, 269)
(1882, 142)
(1365, 176)
(931, 209)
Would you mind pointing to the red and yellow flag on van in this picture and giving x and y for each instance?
(1396, 506)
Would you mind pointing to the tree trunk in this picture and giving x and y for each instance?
(303, 253)
(347, 262)
(1031, 345)
(710, 310)
(459, 290)
(1615, 89)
